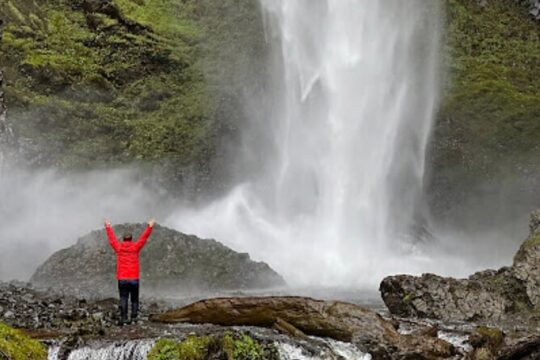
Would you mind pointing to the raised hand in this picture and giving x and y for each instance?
(151, 222)
(107, 222)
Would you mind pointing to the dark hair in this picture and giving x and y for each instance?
(128, 236)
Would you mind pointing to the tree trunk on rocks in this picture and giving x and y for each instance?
(337, 320)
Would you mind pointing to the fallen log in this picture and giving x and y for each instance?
(333, 319)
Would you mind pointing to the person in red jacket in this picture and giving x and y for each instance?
(127, 268)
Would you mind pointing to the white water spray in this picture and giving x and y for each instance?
(338, 191)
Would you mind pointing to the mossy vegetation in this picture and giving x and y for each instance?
(532, 242)
(16, 346)
(229, 346)
(192, 348)
(93, 83)
(488, 124)
(243, 347)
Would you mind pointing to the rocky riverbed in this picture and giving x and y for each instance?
(491, 315)
(501, 305)
(87, 329)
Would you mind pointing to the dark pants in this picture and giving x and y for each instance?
(128, 288)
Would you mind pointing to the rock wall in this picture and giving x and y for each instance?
(484, 149)
(492, 295)
(112, 82)
(527, 261)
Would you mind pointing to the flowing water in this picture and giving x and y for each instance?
(334, 164)
(130, 350)
(344, 350)
(138, 350)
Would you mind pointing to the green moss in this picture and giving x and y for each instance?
(15, 12)
(245, 348)
(192, 348)
(16, 346)
(230, 346)
(493, 337)
(530, 243)
(144, 80)
(407, 298)
(488, 122)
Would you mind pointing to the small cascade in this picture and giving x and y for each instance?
(335, 350)
(130, 350)
(138, 350)
(347, 350)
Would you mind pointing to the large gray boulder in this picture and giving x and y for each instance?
(491, 295)
(172, 264)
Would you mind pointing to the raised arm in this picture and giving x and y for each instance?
(111, 236)
(145, 235)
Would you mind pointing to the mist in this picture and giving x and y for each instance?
(42, 211)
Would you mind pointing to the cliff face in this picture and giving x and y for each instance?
(94, 83)
(485, 139)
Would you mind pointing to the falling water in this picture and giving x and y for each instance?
(335, 195)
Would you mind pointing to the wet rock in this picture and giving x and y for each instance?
(172, 263)
(491, 295)
(527, 260)
(486, 342)
(337, 320)
(38, 312)
(526, 349)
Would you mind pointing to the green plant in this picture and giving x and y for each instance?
(246, 348)
(192, 348)
(16, 346)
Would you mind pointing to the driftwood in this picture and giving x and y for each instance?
(299, 315)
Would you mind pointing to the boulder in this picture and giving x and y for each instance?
(488, 295)
(526, 265)
(172, 263)
(333, 319)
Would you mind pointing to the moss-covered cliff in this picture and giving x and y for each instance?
(104, 82)
(488, 128)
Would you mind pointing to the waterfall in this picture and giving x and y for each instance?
(334, 164)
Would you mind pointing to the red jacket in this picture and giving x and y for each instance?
(127, 254)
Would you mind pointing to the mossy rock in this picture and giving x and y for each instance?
(532, 242)
(493, 337)
(227, 346)
(14, 345)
